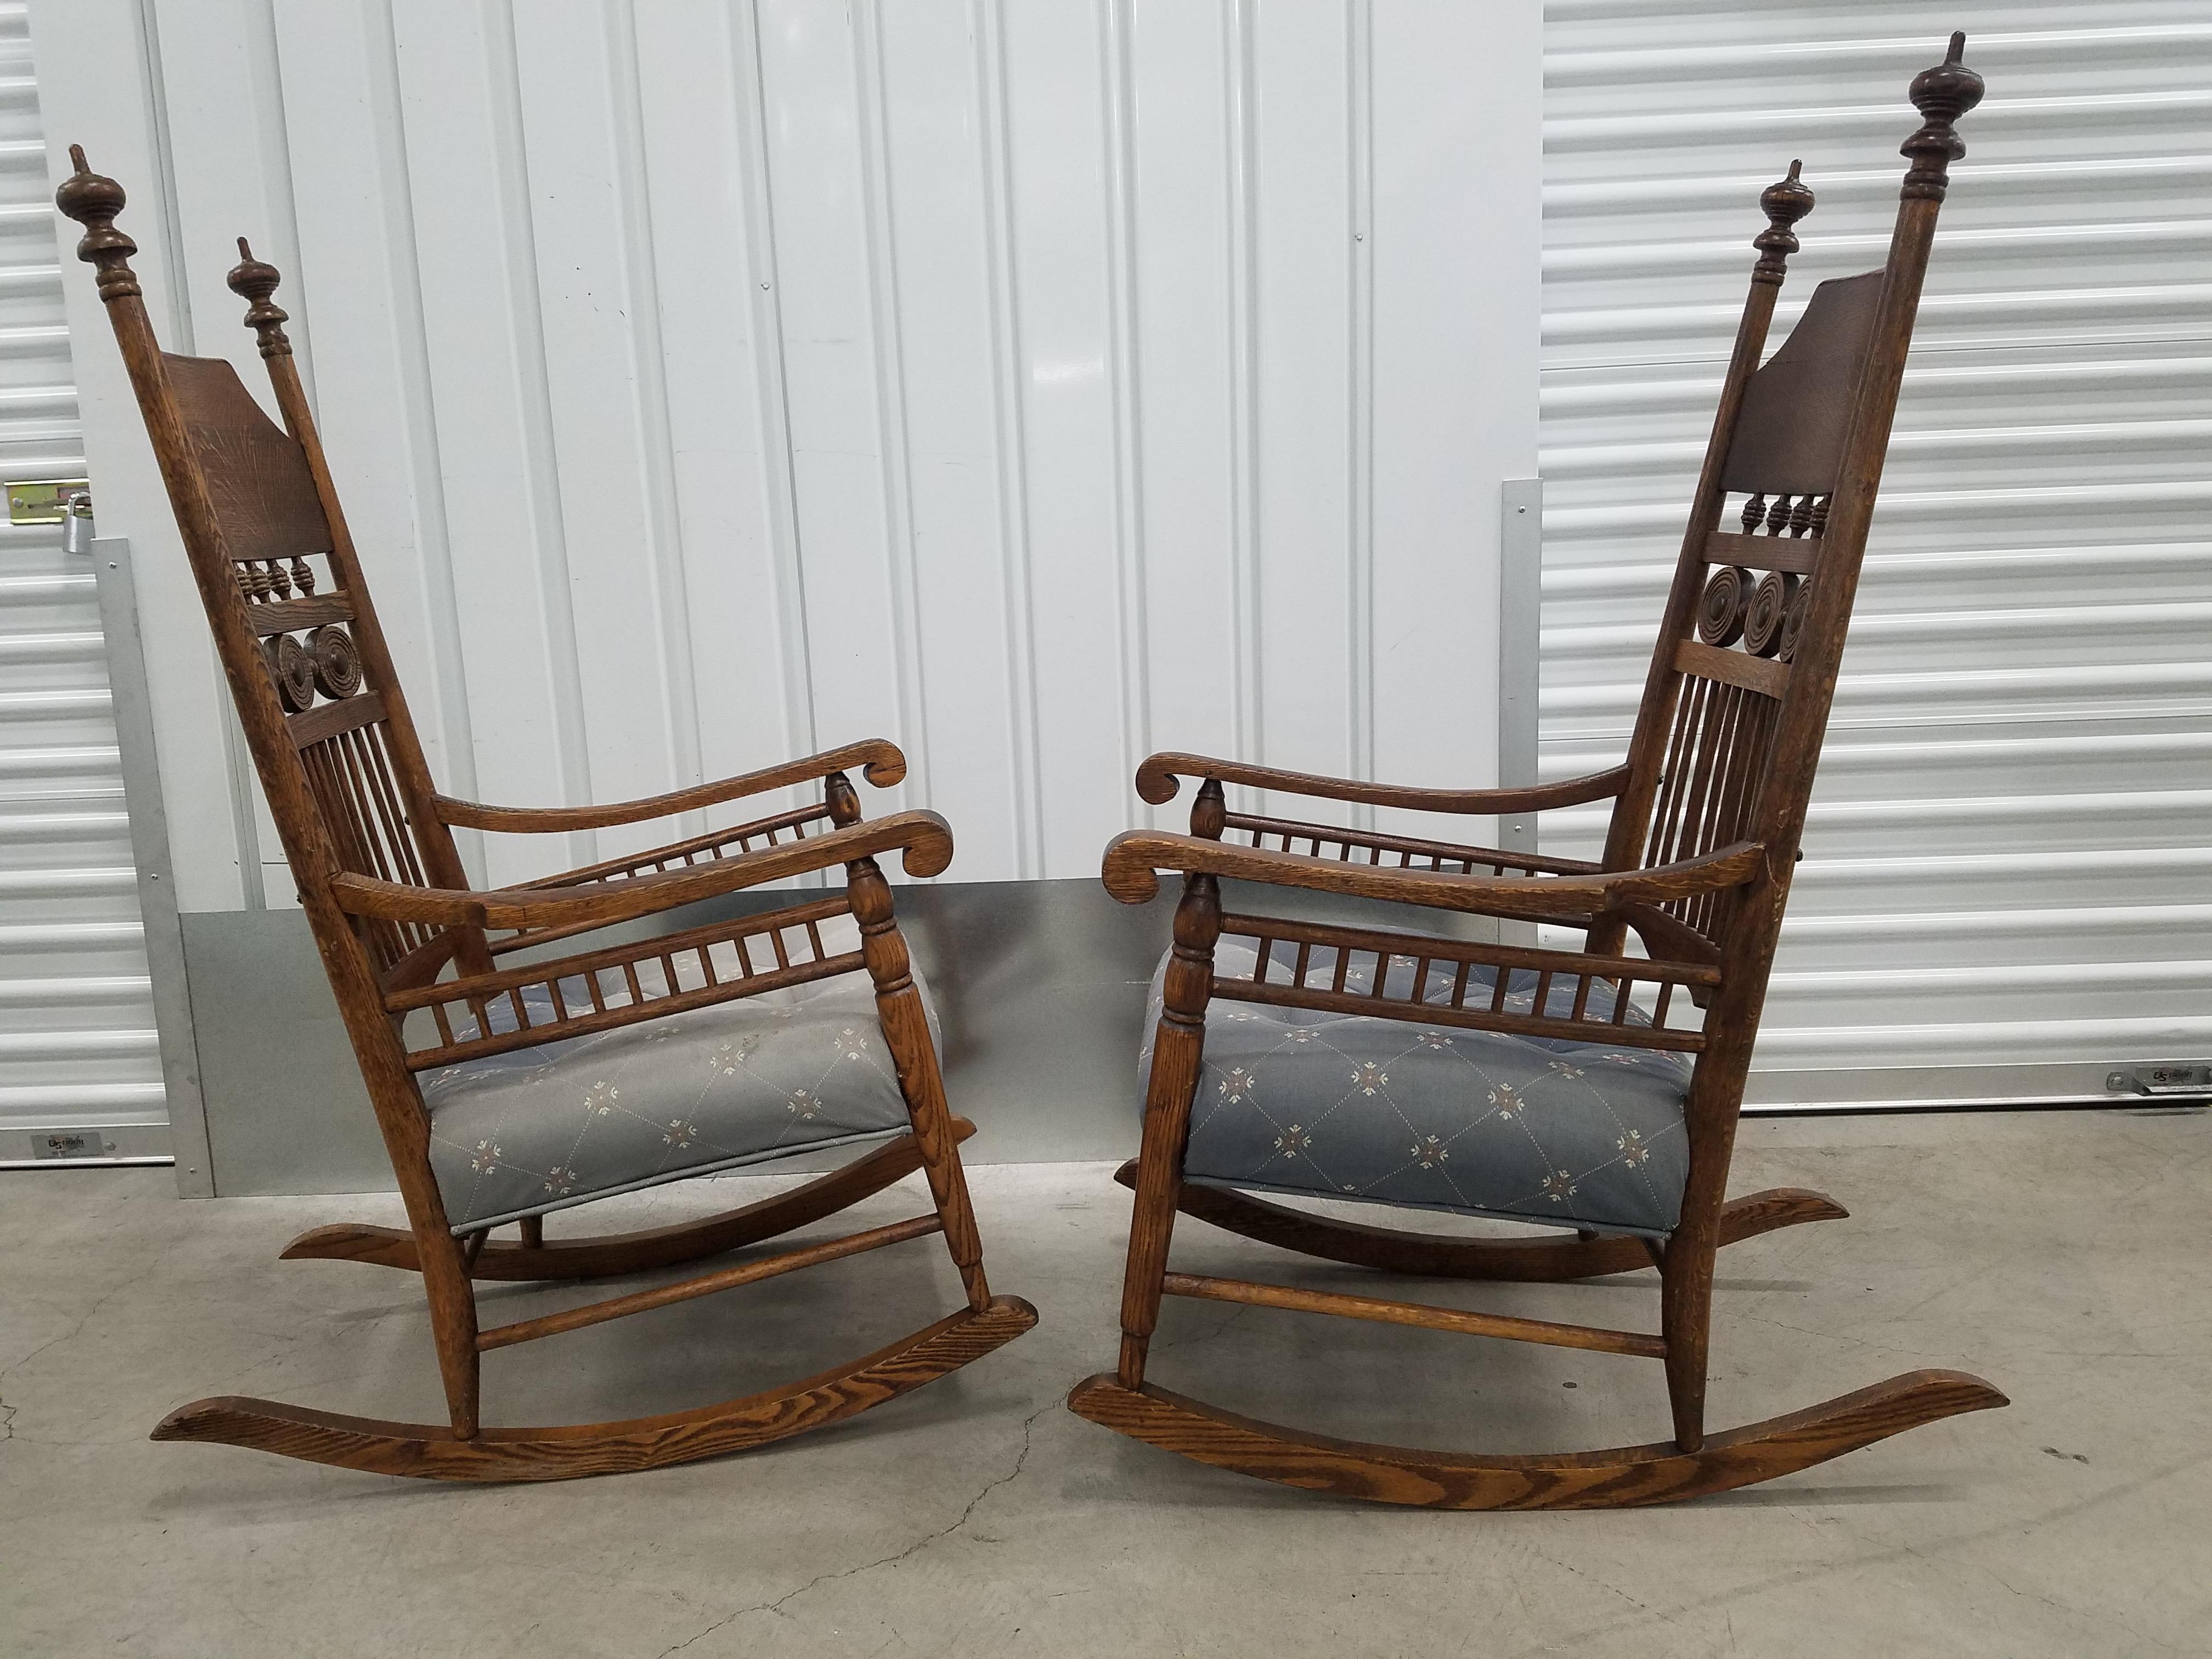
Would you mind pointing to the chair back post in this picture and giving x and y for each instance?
(256, 281)
(1941, 94)
(94, 202)
(1784, 202)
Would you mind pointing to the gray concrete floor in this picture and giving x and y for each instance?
(2061, 1255)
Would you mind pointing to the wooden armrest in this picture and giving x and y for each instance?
(925, 838)
(1134, 857)
(879, 759)
(1160, 777)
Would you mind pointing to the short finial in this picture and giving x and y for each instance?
(1784, 202)
(1941, 94)
(94, 202)
(254, 281)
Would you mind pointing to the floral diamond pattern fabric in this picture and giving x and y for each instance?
(1327, 1105)
(538, 1129)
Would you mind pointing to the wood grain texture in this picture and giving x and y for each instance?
(1622, 1477)
(589, 1020)
(1382, 1311)
(905, 1023)
(327, 719)
(387, 898)
(1554, 1260)
(1404, 852)
(1428, 947)
(1133, 857)
(879, 759)
(617, 1254)
(1762, 552)
(1769, 679)
(289, 615)
(726, 1278)
(1160, 776)
(1673, 1039)
(1796, 410)
(1178, 1050)
(1708, 817)
(564, 1452)
(924, 838)
(257, 478)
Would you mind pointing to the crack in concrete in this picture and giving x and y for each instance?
(1199, 1336)
(1021, 1459)
(70, 1334)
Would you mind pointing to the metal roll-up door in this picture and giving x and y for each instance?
(2007, 890)
(80, 1072)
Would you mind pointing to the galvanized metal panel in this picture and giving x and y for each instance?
(2008, 878)
(77, 1043)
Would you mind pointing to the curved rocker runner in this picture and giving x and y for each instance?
(1545, 1085)
(434, 1452)
(506, 1094)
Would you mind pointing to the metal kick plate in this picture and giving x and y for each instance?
(39, 501)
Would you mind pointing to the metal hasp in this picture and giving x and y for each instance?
(42, 500)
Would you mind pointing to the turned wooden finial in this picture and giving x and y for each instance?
(1941, 96)
(1784, 202)
(94, 201)
(255, 280)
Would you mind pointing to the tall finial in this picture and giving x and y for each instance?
(1941, 96)
(1784, 202)
(254, 280)
(94, 202)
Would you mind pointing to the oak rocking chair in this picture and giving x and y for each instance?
(1534, 1084)
(506, 1093)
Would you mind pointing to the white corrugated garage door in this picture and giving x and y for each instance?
(77, 1049)
(2006, 888)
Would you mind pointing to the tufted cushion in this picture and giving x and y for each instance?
(1435, 1117)
(539, 1129)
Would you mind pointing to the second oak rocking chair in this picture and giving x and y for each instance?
(505, 1094)
(1433, 1072)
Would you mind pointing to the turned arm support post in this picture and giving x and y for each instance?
(1178, 1052)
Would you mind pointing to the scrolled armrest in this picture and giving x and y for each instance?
(924, 839)
(1162, 776)
(1134, 858)
(878, 759)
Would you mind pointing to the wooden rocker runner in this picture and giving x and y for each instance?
(506, 1093)
(1571, 1087)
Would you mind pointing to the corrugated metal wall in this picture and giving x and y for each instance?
(1038, 383)
(2007, 876)
(77, 1045)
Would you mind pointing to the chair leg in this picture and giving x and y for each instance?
(453, 1324)
(1178, 1050)
(1685, 1312)
(906, 1030)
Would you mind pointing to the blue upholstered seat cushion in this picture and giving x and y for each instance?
(541, 1128)
(1434, 1117)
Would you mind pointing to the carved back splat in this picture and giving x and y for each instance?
(325, 717)
(1737, 699)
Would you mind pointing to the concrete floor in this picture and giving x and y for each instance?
(2061, 1256)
